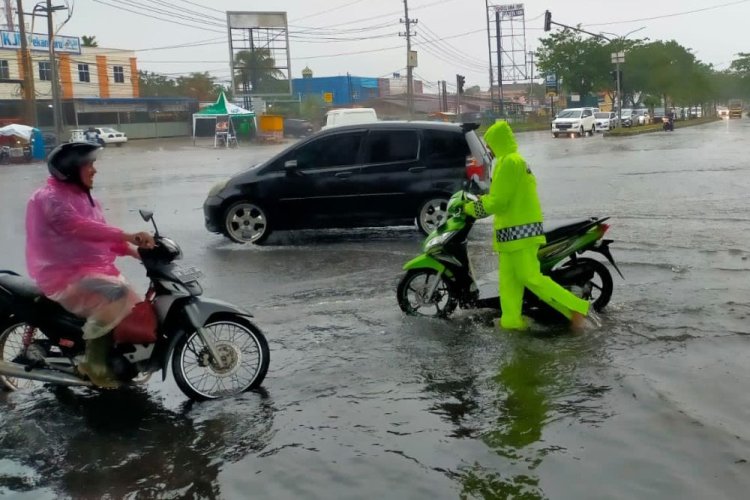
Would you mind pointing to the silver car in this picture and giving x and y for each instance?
(605, 120)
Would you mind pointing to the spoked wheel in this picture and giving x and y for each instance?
(246, 223)
(598, 291)
(244, 360)
(11, 346)
(431, 214)
(413, 291)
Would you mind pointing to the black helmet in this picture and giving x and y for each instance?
(65, 161)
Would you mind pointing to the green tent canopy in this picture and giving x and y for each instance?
(222, 108)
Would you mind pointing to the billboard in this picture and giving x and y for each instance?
(259, 54)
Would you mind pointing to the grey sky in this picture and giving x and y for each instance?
(714, 35)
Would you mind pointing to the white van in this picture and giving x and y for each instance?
(353, 116)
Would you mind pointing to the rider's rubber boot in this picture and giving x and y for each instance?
(95, 365)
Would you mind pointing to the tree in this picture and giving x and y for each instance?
(89, 41)
(156, 85)
(473, 90)
(200, 86)
(582, 64)
(256, 72)
(313, 109)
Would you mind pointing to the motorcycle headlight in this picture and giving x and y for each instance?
(171, 248)
(438, 240)
(218, 187)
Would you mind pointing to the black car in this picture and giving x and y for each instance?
(297, 128)
(375, 174)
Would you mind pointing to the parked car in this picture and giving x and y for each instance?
(657, 115)
(376, 174)
(349, 116)
(108, 135)
(577, 121)
(641, 116)
(605, 120)
(627, 117)
(297, 128)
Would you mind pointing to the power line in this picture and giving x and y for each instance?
(115, 6)
(670, 15)
(329, 10)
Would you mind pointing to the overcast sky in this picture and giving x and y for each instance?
(714, 35)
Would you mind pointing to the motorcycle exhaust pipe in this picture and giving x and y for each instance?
(50, 376)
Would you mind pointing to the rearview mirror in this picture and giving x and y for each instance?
(146, 215)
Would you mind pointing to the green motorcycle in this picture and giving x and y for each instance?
(441, 278)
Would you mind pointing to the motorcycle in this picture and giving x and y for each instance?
(215, 349)
(667, 124)
(441, 278)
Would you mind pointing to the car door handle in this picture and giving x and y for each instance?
(416, 170)
(343, 175)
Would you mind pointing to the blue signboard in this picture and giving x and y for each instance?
(40, 42)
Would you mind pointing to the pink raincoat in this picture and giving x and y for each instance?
(71, 252)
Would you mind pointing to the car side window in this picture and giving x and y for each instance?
(440, 144)
(388, 146)
(338, 150)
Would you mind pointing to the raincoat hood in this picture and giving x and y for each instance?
(499, 137)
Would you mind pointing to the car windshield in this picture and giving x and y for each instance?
(602, 115)
(570, 113)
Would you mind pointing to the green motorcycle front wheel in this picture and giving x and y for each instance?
(423, 292)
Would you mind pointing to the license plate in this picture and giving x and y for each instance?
(188, 274)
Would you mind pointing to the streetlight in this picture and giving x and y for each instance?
(618, 58)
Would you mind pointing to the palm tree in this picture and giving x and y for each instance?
(89, 41)
(256, 71)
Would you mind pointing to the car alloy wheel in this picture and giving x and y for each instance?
(246, 222)
(431, 214)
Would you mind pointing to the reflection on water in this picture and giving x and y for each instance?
(536, 381)
(125, 443)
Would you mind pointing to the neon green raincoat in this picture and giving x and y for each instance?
(518, 232)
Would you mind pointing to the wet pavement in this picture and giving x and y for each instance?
(362, 402)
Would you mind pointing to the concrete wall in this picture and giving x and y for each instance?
(151, 130)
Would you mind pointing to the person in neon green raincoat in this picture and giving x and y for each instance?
(518, 234)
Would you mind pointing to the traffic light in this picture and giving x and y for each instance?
(460, 81)
(547, 20)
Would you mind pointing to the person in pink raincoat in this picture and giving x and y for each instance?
(71, 252)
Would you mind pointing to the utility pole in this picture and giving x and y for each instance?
(499, 61)
(531, 81)
(9, 16)
(410, 59)
(55, 83)
(445, 97)
(29, 94)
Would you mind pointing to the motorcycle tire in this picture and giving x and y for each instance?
(605, 286)
(190, 355)
(405, 292)
(11, 335)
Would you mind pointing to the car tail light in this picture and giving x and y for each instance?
(474, 167)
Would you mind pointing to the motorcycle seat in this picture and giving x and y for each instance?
(558, 232)
(27, 291)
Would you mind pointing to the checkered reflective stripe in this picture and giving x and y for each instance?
(519, 232)
(479, 210)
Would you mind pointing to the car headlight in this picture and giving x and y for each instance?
(439, 240)
(219, 187)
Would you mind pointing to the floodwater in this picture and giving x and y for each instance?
(363, 402)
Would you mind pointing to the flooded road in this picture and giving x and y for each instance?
(363, 402)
